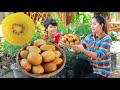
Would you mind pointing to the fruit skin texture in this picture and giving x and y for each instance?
(58, 61)
(34, 49)
(57, 53)
(24, 54)
(39, 42)
(48, 56)
(21, 20)
(47, 47)
(34, 58)
(49, 67)
(25, 64)
(37, 69)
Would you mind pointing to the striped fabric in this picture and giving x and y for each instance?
(102, 65)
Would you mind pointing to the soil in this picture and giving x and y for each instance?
(5, 64)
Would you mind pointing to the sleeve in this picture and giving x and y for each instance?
(84, 42)
(104, 50)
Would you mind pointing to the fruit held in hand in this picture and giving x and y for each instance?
(71, 39)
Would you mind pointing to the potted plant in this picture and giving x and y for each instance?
(114, 49)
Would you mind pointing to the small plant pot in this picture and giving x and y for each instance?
(113, 61)
(17, 72)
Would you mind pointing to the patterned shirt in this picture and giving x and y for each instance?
(100, 45)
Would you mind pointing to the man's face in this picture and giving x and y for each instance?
(52, 29)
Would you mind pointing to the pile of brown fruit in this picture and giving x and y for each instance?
(71, 39)
(40, 57)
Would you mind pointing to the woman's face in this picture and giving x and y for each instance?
(95, 26)
(52, 29)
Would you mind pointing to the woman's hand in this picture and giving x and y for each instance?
(78, 48)
(62, 44)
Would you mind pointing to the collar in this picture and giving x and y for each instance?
(100, 36)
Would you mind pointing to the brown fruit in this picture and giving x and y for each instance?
(47, 47)
(77, 42)
(70, 35)
(24, 54)
(39, 42)
(34, 49)
(25, 64)
(70, 39)
(64, 39)
(34, 58)
(57, 53)
(49, 67)
(67, 42)
(66, 36)
(58, 61)
(75, 37)
(71, 43)
(27, 48)
(48, 56)
(37, 69)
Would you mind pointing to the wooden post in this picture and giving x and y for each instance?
(69, 17)
(107, 22)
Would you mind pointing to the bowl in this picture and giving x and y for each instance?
(44, 75)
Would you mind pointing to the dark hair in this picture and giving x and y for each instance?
(101, 20)
(49, 21)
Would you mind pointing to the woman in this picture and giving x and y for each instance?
(97, 47)
(51, 30)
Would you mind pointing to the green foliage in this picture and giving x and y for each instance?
(71, 56)
(10, 50)
(83, 30)
(36, 36)
(80, 24)
(1, 44)
(85, 17)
